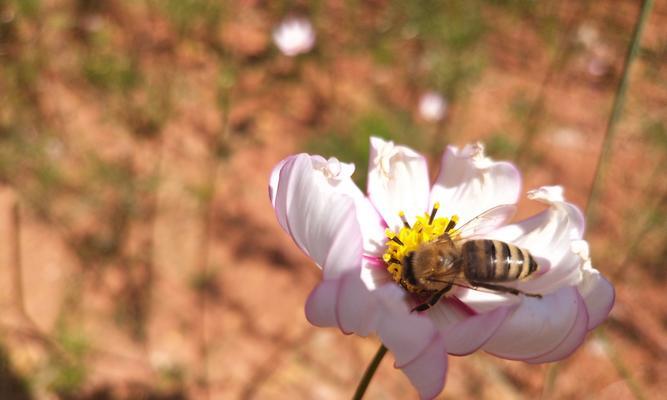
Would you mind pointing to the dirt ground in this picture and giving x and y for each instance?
(143, 260)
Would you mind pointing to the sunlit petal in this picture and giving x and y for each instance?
(397, 181)
(470, 183)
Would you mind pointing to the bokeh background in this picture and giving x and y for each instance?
(139, 254)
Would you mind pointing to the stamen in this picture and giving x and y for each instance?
(392, 236)
(405, 221)
(434, 211)
(390, 259)
(450, 225)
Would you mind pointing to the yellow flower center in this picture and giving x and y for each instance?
(408, 239)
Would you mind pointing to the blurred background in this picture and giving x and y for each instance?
(140, 256)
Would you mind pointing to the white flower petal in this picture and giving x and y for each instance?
(572, 341)
(374, 273)
(321, 304)
(537, 326)
(397, 181)
(598, 295)
(482, 301)
(345, 303)
(432, 106)
(405, 333)
(294, 36)
(548, 194)
(357, 308)
(316, 202)
(548, 236)
(274, 179)
(462, 332)
(470, 183)
(428, 371)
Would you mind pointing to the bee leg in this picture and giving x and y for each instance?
(504, 289)
(433, 300)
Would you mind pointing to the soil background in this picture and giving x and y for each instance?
(141, 258)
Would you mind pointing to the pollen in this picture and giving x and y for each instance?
(425, 229)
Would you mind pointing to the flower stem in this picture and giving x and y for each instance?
(619, 100)
(370, 371)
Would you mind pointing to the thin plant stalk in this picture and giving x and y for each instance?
(617, 108)
(370, 372)
(17, 271)
(536, 112)
(621, 367)
(603, 158)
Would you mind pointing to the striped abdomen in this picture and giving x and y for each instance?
(495, 261)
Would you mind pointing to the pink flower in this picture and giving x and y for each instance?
(294, 36)
(343, 231)
(432, 106)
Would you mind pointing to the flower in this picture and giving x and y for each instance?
(432, 106)
(347, 234)
(294, 36)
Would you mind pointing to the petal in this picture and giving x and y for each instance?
(274, 179)
(428, 371)
(318, 211)
(345, 303)
(482, 301)
(537, 326)
(598, 295)
(321, 304)
(357, 308)
(397, 181)
(572, 341)
(469, 183)
(597, 292)
(372, 226)
(405, 333)
(548, 236)
(464, 333)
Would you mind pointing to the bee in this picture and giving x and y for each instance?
(452, 260)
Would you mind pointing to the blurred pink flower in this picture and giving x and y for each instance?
(294, 36)
(432, 106)
(343, 231)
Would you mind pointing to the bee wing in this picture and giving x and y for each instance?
(445, 275)
(484, 222)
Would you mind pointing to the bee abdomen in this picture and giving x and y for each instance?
(496, 261)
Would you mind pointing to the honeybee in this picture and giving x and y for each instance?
(459, 257)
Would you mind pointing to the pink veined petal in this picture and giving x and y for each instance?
(372, 227)
(374, 273)
(274, 179)
(483, 301)
(536, 327)
(357, 309)
(343, 302)
(572, 341)
(428, 371)
(397, 181)
(321, 304)
(320, 218)
(406, 334)
(598, 295)
(548, 236)
(469, 183)
(464, 334)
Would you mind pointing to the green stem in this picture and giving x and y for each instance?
(619, 100)
(370, 371)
